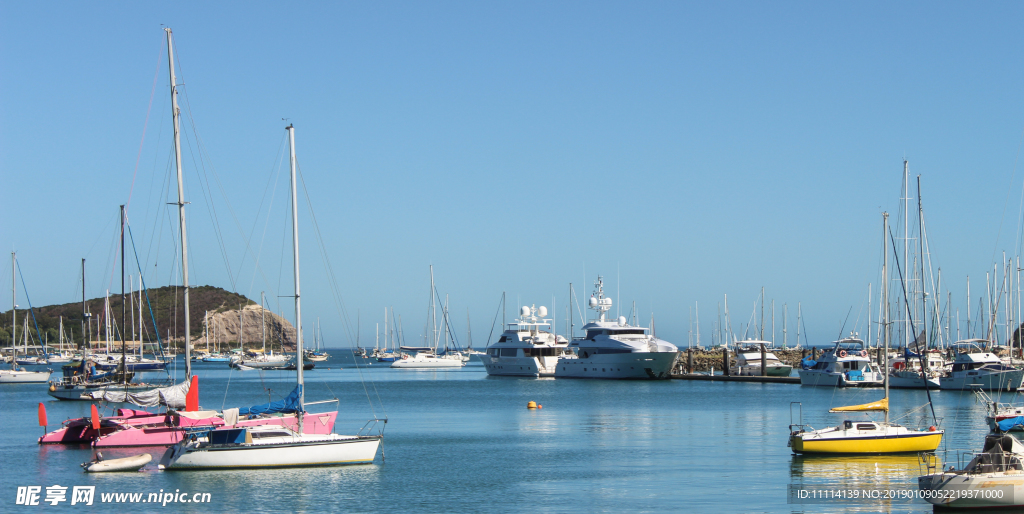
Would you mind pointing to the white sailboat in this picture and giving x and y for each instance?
(273, 446)
(17, 375)
(426, 356)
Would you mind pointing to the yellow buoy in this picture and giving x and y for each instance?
(531, 405)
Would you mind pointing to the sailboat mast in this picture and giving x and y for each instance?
(924, 293)
(263, 320)
(295, 265)
(885, 309)
(86, 324)
(906, 241)
(176, 114)
(124, 306)
(14, 308)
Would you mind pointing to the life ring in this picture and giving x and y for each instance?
(898, 365)
(842, 353)
(863, 353)
(405, 357)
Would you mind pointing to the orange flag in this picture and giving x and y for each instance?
(95, 418)
(192, 398)
(42, 415)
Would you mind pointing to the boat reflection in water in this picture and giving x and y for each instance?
(885, 483)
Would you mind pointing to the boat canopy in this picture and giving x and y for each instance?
(171, 396)
(882, 404)
(290, 403)
(1007, 424)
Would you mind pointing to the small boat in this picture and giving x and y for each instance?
(993, 478)
(748, 360)
(905, 370)
(133, 463)
(425, 357)
(864, 437)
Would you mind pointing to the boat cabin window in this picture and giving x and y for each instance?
(865, 426)
(257, 435)
(509, 352)
(627, 332)
(493, 352)
(544, 352)
(502, 339)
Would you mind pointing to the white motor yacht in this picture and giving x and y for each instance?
(976, 367)
(748, 360)
(526, 349)
(615, 349)
(846, 364)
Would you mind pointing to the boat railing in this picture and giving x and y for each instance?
(973, 461)
(371, 426)
(799, 426)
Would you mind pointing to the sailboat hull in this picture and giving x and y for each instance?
(333, 450)
(24, 377)
(898, 443)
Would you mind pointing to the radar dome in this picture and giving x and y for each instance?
(525, 311)
(622, 320)
(606, 301)
(593, 301)
(542, 311)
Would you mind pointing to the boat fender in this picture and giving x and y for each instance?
(53, 388)
(931, 428)
(842, 353)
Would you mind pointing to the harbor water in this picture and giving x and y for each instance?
(460, 441)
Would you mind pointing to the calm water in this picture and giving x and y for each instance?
(460, 441)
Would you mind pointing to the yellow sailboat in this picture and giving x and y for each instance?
(865, 437)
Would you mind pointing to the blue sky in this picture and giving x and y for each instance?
(684, 150)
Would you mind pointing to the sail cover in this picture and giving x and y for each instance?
(171, 396)
(882, 404)
(1008, 423)
(290, 403)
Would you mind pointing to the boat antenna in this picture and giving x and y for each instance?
(844, 323)
(910, 319)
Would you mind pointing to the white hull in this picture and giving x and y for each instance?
(1005, 381)
(520, 366)
(24, 377)
(974, 490)
(278, 363)
(830, 379)
(428, 362)
(639, 365)
(326, 450)
(133, 463)
(911, 380)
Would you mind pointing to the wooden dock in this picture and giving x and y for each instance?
(724, 378)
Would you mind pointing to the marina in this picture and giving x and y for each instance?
(750, 258)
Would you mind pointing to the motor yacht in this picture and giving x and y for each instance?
(846, 364)
(616, 349)
(526, 348)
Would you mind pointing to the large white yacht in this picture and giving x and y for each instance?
(844, 365)
(615, 349)
(525, 348)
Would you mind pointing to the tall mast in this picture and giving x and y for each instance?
(175, 115)
(433, 309)
(263, 320)
(885, 308)
(295, 265)
(86, 325)
(761, 335)
(924, 292)
(124, 312)
(906, 241)
(14, 306)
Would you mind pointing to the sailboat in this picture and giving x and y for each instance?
(17, 375)
(275, 446)
(426, 356)
(317, 354)
(854, 437)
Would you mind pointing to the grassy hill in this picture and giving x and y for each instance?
(167, 309)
